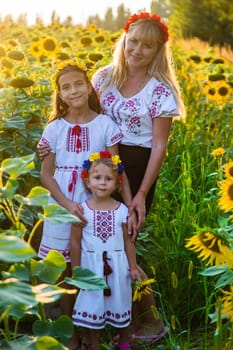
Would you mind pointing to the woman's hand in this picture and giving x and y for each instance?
(43, 150)
(132, 226)
(77, 210)
(138, 205)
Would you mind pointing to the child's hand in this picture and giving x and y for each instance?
(135, 274)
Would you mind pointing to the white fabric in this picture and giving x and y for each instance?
(104, 233)
(71, 149)
(134, 115)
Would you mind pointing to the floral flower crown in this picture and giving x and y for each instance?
(78, 64)
(134, 18)
(102, 154)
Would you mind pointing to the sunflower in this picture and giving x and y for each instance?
(142, 288)
(226, 191)
(35, 48)
(210, 92)
(211, 249)
(227, 301)
(218, 152)
(49, 45)
(228, 169)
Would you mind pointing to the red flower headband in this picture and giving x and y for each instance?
(134, 18)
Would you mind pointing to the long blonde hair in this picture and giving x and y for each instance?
(161, 67)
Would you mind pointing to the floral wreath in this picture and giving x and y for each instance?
(134, 18)
(78, 64)
(102, 154)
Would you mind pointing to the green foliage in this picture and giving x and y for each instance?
(208, 20)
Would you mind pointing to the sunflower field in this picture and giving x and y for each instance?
(186, 246)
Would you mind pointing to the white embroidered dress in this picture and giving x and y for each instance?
(104, 233)
(134, 114)
(72, 144)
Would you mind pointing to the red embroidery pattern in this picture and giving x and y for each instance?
(104, 223)
(115, 319)
(78, 139)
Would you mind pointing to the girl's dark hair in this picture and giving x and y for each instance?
(59, 107)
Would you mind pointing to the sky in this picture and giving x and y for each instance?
(79, 10)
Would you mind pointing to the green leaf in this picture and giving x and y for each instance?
(46, 293)
(18, 166)
(19, 271)
(15, 293)
(18, 229)
(225, 280)
(57, 215)
(8, 191)
(49, 343)
(51, 267)
(38, 196)
(212, 271)
(14, 249)
(14, 123)
(62, 328)
(85, 279)
(20, 343)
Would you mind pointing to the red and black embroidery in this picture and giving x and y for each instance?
(78, 139)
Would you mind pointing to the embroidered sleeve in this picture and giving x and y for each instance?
(49, 136)
(125, 212)
(163, 102)
(112, 132)
(99, 78)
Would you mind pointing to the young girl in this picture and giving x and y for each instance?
(104, 247)
(75, 130)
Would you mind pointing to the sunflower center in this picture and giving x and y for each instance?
(49, 45)
(210, 242)
(230, 192)
(211, 91)
(223, 91)
(231, 171)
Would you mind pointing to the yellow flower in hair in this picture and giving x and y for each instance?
(94, 156)
(72, 62)
(116, 159)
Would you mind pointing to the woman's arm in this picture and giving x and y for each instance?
(126, 192)
(49, 182)
(160, 133)
(43, 150)
(133, 222)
